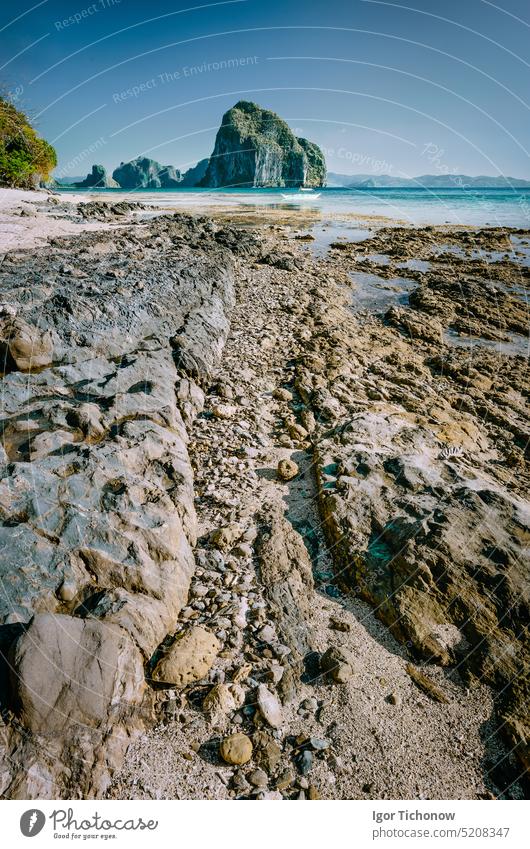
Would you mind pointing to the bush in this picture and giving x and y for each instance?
(25, 159)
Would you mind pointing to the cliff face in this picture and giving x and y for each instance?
(98, 178)
(255, 147)
(144, 173)
(194, 175)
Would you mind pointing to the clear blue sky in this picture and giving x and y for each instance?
(382, 87)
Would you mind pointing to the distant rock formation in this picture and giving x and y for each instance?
(255, 147)
(97, 179)
(441, 181)
(194, 175)
(144, 173)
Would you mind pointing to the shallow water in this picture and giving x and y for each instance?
(479, 207)
(335, 231)
(516, 345)
(375, 294)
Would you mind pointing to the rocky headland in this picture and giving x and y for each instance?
(265, 511)
(255, 147)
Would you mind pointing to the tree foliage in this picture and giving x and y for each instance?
(25, 158)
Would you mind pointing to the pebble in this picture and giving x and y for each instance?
(267, 634)
(305, 762)
(318, 743)
(242, 673)
(275, 673)
(394, 699)
(236, 749)
(269, 706)
(224, 411)
(282, 394)
(337, 663)
(339, 624)
(258, 778)
(240, 783)
(287, 470)
(285, 780)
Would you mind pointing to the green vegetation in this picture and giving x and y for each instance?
(25, 159)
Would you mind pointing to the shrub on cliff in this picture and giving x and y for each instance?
(25, 158)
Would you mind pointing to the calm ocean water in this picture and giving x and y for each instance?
(495, 207)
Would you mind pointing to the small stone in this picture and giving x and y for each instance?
(267, 753)
(243, 549)
(305, 761)
(258, 778)
(225, 538)
(339, 624)
(222, 700)
(224, 411)
(269, 706)
(285, 780)
(242, 673)
(338, 664)
(318, 744)
(423, 682)
(67, 591)
(394, 699)
(189, 659)
(240, 783)
(269, 796)
(236, 749)
(282, 394)
(287, 470)
(275, 673)
(310, 704)
(267, 634)
(312, 792)
(303, 783)
(298, 432)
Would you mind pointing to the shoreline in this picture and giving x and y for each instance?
(380, 415)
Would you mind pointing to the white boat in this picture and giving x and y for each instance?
(309, 195)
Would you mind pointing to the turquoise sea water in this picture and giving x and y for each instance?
(493, 207)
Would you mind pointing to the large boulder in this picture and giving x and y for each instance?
(23, 346)
(80, 690)
(255, 147)
(144, 173)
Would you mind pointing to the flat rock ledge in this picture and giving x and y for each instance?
(96, 488)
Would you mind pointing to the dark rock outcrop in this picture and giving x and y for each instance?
(97, 515)
(144, 173)
(97, 179)
(255, 147)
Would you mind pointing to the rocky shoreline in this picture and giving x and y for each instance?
(258, 543)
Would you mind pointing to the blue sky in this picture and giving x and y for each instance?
(402, 88)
